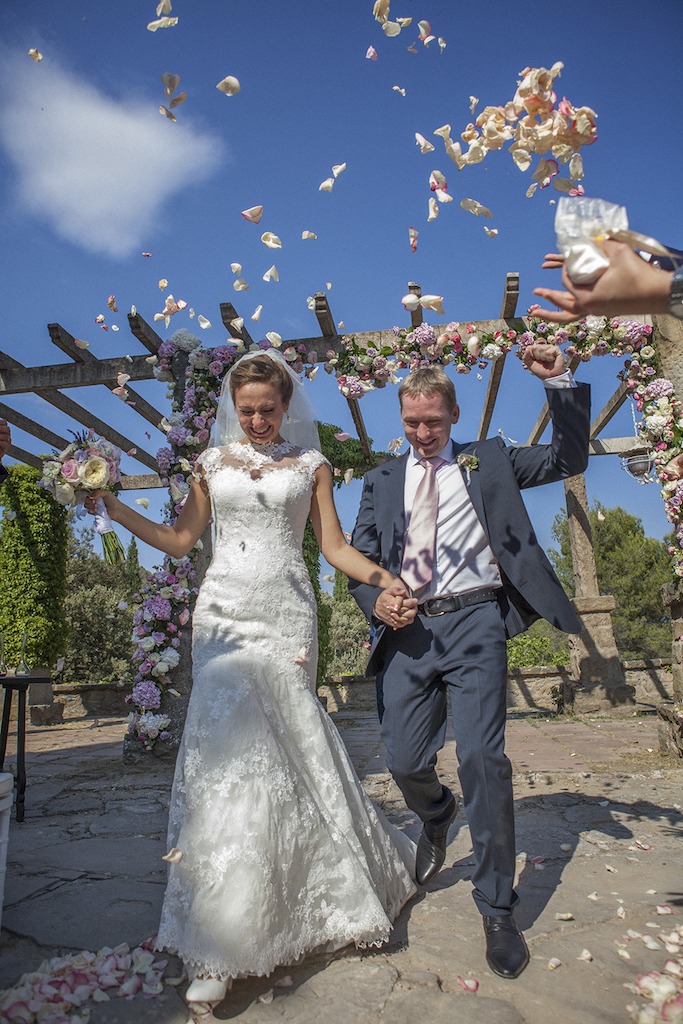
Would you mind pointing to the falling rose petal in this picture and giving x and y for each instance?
(120, 393)
(443, 197)
(164, 7)
(142, 501)
(563, 185)
(578, 191)
(380, 10)
(271, 240)
(311, 372)
(167, 113)
(664, 908)
(433, 302)
(650, 942)
(302, 657)
(266, 997)
(122, 378)
(391, 28)
(412, 238)
(230, 86)
(253, 214)
(340, 325)
(240, 285)
(271, 274)
(256, 315)
(308, 234)
(554, 963)
(274, 338)
(328, 285)
(327, 185)
(191, 313)
(177, 100)
(410, 301)
(473, 104)
(174, 855)
(468, 984)
(348, 476)
(371, 53)
(170, 83)
(404, 22)
(412, 48)
(35, 55)
(437, 180)
(442, 43)
(163, 284)
(111, 302)
(147, 256)
(236, 268)
(545, 172)
(428, 40)
(162, 23)
(433, 209)
(424, 144)
(237, 323)
(396, 444)
(342, 436)
(531, 189)
(330, 579)
(621, 912)
(397, 88)
(643, 845)
(624, 953)
(593, 896)
(99, 319)
(81, 344)
(491, 232)
(337, 169)
(472, 206)
(288, 980)
(203, 322)
(576, 167)
(310, 302)
(425, 29)
(585, 955)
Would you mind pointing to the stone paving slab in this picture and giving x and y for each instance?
(84, 870)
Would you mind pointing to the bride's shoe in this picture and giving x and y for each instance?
(205, 993)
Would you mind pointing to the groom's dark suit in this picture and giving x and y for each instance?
(464, 650)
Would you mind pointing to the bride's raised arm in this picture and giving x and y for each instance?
(176, 540)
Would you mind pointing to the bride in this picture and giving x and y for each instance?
(279, 850)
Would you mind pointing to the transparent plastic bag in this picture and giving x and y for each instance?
(580, 222)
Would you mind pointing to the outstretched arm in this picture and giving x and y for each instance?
(628, 285)
(400, 608)
(176, 540)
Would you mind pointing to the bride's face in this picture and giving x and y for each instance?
(260, 411)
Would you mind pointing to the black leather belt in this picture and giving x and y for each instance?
(441, 605)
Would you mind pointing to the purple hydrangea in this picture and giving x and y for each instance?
(146, 695)
(660, 388)
(158, 608)
(179, 436)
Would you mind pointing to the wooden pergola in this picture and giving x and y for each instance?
(86, 370)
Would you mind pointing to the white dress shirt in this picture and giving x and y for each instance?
(463, 560)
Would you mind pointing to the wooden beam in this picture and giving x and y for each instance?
(544, 417)
(617, 446)
(145, 334)
(228, 314)
(71, 375)
(510, 295)
(17, 419)
(141, 482)
(67, 343)
(609, 409)
(28, 458)
(81, 415)
(324, 316)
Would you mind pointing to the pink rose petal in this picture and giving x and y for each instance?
(253, 214)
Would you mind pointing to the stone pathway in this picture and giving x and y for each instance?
(85, 871)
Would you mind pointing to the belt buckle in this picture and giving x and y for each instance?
(430, 614)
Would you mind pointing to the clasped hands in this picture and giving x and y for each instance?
(394, 606)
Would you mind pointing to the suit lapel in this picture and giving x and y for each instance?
(392, 503)
(472, 479)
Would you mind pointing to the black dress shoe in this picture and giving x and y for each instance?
(431, 846)
(506, 951)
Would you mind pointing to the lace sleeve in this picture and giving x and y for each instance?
(315, 459)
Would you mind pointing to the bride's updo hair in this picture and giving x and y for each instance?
(261, 370)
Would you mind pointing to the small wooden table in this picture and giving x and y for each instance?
(20, 684)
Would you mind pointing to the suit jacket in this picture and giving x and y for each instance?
(531, 588)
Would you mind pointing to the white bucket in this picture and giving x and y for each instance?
(6, 798)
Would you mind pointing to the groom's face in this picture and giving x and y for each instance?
(427, 422)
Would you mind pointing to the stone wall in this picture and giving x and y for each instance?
(529, 689)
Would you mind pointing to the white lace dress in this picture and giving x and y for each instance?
(283, 852)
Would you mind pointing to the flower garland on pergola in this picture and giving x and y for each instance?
(166, 599)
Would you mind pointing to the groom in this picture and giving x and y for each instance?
(449, 518)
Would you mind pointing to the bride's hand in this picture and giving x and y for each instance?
(394, 607)
(111, 502)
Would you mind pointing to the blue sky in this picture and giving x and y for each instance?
(91, 175)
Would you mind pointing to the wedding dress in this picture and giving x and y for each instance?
(282, 851)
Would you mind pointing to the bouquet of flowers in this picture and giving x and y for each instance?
(88, 464)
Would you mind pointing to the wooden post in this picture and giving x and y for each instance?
(597, 675)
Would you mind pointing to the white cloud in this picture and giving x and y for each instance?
(99, 171)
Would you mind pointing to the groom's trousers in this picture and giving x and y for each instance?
(463, 653)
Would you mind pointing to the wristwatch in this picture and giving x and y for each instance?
(676, 293)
